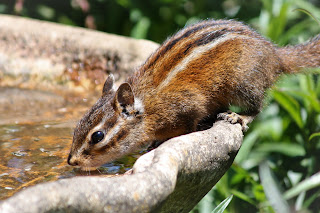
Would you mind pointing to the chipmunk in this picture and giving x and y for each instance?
(193, 76)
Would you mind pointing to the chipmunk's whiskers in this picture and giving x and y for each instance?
(99, 171)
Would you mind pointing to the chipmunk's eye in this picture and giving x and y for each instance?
(96, 137)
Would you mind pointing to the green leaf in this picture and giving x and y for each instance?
(246, 147)
(314, 135)
(223, 185)
(299, 201)
(311, 199)
(272, 190)
(309, 97)
(278, 19)
(271, 128)
(291, 150)
(308, 6)
(307, 184)
(241, 174)
(243, 196)
(140, 30)
(293, 31)
(223, 205)
(3, 8)
(290, 105)
(124, 3)
(46, 12)
(206, 204)
(259, 193)
(307, 83)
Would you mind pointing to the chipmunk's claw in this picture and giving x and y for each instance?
(234, 118)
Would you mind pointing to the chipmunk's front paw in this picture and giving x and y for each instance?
(234, 118)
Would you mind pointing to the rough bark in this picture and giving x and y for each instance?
(172, 178)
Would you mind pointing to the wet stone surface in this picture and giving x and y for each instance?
(36, 130)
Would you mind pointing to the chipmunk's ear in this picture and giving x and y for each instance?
(124, 98)
(108, 85)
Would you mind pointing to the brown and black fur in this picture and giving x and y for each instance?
(194, 75)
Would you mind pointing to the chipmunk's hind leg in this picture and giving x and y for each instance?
(242, 118)
(250, 101)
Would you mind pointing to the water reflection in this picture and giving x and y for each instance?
(35, 150)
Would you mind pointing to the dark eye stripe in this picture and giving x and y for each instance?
(110, 123)
(121, 134)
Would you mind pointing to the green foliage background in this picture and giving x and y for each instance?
(277, 168)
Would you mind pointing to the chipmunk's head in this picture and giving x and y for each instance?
(112, 128)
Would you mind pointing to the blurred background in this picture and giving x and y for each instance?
(277, 169)
(155, 20)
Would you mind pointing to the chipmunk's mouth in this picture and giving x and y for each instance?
(85, 168)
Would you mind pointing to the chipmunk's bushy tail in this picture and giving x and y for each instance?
(295, 58)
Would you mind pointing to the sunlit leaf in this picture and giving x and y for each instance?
(140, 30)
(259, 193)
(223, 205)
(299, 201)
(306, 83)
(254, 159)
(294, 30)
(246, 147)
(206, 204)
(242, 196)
(46, 12)
(291, 150)
(307, 6)
(272, 189)
(314, 135)
(307, 184)
(289, 104)
(124, 3)
(311, 199)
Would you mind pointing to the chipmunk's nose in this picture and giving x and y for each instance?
(72, 161)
